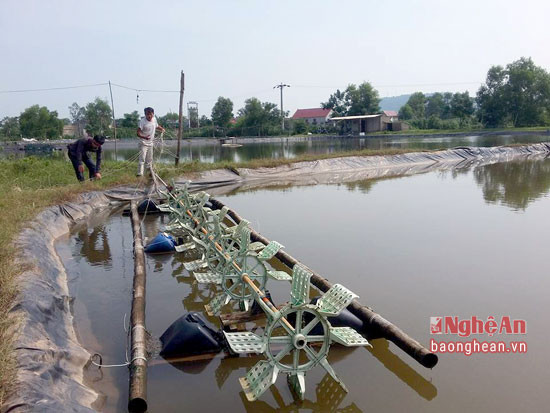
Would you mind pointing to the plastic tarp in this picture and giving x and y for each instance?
(355, 168)
(51, 360)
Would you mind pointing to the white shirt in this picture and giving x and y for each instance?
(148, 129)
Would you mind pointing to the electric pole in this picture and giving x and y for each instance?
(180, 117)
(281, 86)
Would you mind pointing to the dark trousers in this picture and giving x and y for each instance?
(89, 164)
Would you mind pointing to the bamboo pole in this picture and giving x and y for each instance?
(244, 277)
(138, 365)
(375, 324)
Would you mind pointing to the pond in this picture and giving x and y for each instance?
(276, 148)
(464, 243)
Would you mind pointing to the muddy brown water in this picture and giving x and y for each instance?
(463, 243)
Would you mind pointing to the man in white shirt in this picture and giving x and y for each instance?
(146, 133)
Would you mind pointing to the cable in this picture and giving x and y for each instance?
(145, 90)
(52, 88)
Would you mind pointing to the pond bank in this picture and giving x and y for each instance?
(47, 342)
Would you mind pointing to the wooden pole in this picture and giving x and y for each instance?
(374, 323)
(180, 122)
(138, 365)
(114, 119)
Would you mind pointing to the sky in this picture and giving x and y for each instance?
(241, 49)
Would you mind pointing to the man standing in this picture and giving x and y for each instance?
(78, 153)
(146, 132)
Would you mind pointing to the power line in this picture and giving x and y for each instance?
(52, 88)
(401, 85)
(145, 90)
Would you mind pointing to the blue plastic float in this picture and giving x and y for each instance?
(161, 244)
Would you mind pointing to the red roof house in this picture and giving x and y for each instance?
(314, 116)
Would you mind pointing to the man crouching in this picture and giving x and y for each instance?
(78, 153)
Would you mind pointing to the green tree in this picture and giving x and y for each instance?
(299, 126)
(222, 112)
(362, 100)
(490, 98)
(447, 98)
(9, 127)
(78, 117)
(355, 100)
(130, 120)
(406, 112)
(518, 94)
(417, 102)
(171, 120)
(462, 105)
(258, 118)
(337, 103)
(98, 117)
(527, 93)
(204, 121)
(38, 122)
(435, 105)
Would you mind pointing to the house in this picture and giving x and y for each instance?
(314, 116)
(70, 131)
(362, 124)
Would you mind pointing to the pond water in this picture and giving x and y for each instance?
(205, 151)
(463, 243)
(290, 148)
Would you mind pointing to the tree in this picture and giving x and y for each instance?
(204, 121)
(490, 98)
(78, 118)
(406, 112)
(98, 117)
(462, 105)
(299, 126)
(435, 105)
(10, 127)
(130, 120)
(417, 102)
(171, 120)
(518, 94)
(222, 112)
(362, 99)
(39, 122)
(337, 103)
(527, 93)
(355, 100)
(258, 117)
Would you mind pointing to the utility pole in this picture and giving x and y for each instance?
(180, 120)
(281, 86)
(114, 119)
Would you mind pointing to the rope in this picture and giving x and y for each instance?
(127, 363)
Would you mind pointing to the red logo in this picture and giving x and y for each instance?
(436, 325)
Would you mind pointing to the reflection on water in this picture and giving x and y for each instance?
(94, 246)
(289, 148)
(381, 350)
(515, 184)
(440, 243)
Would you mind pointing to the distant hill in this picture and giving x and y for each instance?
(393, 102)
